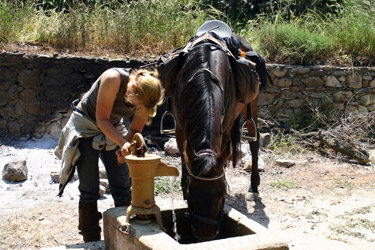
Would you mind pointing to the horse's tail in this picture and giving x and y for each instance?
(236, 139)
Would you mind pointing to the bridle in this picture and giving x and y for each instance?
(196, 217)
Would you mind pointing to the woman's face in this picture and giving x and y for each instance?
(130, 94)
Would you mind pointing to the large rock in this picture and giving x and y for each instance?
(15, 170)
(354, 81)
(248, 163)
(265, 139)
(170, 147)
(333, 82)
(285, 163)
(28, 77)
(372, 156)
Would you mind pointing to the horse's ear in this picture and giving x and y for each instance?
(168, 68)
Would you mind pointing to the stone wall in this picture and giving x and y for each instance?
(36, 90)
(297, 89)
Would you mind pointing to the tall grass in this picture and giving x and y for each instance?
(14, 20)
(135, 28)
(345, 37)
(292, 43)
(153, 27)
(354, 31)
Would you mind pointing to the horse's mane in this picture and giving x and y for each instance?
(196, 107)
(196, 100)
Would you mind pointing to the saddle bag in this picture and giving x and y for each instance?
(245, 78)
(260, 67)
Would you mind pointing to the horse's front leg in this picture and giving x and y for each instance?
(179, 139)
(183, 178)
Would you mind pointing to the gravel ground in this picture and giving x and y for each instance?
(319, 203)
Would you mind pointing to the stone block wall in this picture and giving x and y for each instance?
(36, 90)
(296, 88)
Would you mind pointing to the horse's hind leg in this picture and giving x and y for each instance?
(254, 145)
(255, 178)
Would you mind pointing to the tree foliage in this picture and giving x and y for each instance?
(243, 10)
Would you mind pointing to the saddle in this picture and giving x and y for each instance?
(245, 69)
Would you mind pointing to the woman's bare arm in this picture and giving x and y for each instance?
(109, 87)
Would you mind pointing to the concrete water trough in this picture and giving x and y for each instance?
(237, 232)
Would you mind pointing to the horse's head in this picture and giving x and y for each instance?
(202, 97)
(205, 190)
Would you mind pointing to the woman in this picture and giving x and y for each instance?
(95, 129)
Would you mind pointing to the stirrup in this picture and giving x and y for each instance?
(244, 132)
(167, 131)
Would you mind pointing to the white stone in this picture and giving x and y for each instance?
(265, 139)
(15, 170)
(372, 156)
(170, 147)
(285, 163)
(55, 176)
(248, 165)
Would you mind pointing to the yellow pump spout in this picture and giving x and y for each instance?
(164, 170)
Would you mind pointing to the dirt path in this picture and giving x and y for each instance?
(319, 203)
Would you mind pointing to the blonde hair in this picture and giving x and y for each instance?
(150, 91)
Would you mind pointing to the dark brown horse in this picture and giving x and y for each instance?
(204, 103)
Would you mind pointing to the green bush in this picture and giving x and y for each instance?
(135, 28)
(289, 43)
(244, 10)
(14, 20)
(353, 31)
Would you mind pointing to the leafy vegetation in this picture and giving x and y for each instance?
(132, 27)
(287, 31)
(284, 185)
(167, 185)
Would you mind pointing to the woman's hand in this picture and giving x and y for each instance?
(122, 152)
(120, 158)
(125, 150)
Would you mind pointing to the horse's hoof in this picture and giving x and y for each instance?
(251, 196)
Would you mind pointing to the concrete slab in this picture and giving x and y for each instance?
(95, 245)
(239, 232)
